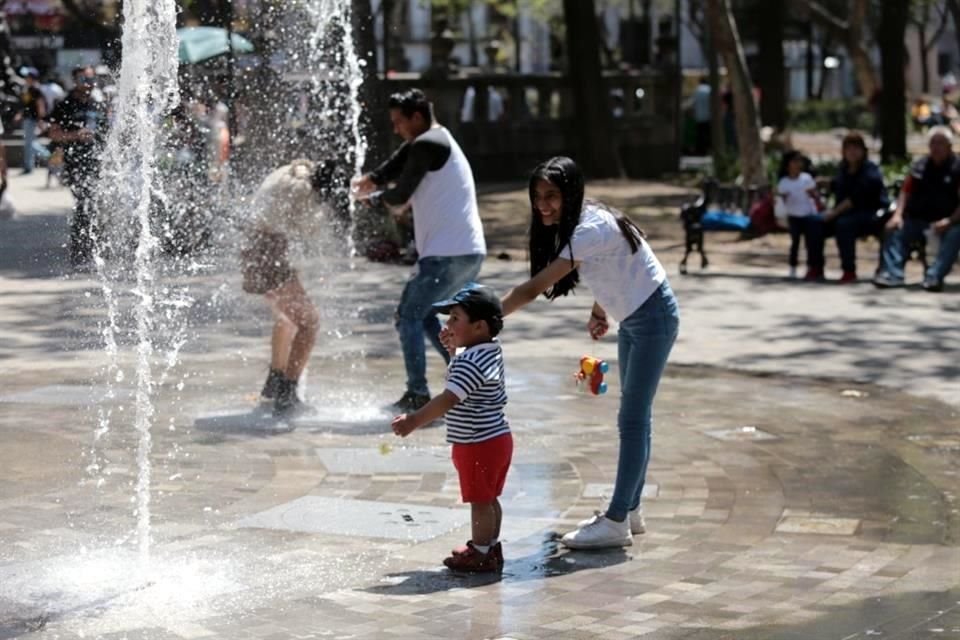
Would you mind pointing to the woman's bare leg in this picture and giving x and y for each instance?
(292, 303)
(281, 341)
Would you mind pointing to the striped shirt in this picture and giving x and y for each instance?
(476, 378)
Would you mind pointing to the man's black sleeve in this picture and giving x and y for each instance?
(392, 166)
(429, 152)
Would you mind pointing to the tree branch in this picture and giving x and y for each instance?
(826, 19)
(942, 10)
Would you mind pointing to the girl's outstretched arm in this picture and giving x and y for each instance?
(527, 292)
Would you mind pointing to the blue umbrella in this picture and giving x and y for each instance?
(198, 44)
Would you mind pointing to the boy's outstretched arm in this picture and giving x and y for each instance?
(404, 424)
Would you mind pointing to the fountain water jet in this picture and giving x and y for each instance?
(147, 90)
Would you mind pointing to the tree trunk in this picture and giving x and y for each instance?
(810, 61)
(727, 42)
(718, 137)
(771, 68)
(863, 65)
(365, 40)
(954, 7)
(472, 37)
(893, 117)
(924, 66)
(599, 155)
(850, 33)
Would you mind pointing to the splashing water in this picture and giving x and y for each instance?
(147, 90)
(134, 275)
(333, 58)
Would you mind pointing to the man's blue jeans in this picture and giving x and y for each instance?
(644, 342)
(897, 245)
(435, 278)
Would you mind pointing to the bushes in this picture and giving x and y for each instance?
(819, 115)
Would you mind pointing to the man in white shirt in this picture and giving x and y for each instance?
(430, 173)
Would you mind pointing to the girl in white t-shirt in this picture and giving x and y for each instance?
(570, 238)
(798, 191)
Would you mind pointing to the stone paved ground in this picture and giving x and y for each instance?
(803, 485)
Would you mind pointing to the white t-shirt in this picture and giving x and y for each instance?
(796, 196)
(621, 281)
(445, 214)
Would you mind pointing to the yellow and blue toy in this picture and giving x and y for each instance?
(590, 375)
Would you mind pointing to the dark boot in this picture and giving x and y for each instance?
(287, 404)
(272, 385)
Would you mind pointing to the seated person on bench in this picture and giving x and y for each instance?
(930, 199)
(859, 191)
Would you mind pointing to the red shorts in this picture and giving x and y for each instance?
(482, 467)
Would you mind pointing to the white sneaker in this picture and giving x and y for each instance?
(793, 273)
(638, 525)
(601, 533)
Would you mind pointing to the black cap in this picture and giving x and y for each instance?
(480, 303)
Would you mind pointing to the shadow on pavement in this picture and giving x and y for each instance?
(547, 562)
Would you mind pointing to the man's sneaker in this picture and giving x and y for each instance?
(496, 551)
(848, 277)
(637, 524)
(411, 402)
(932, 285)
(884, 280)
(813, 275)
(472, 561)
(792, 274)
(599, 534)
(272, 385)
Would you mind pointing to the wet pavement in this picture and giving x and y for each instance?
(803, 484)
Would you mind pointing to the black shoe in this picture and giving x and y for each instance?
(272, 386)
(933, 286)
(411, 402)
(287, 404)
(292, 407)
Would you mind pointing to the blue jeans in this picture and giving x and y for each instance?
(850, 226)
(644, 342)
(29, 136)
(434, 279)
(897, 245)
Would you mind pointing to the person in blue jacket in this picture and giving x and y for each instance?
(859, 194)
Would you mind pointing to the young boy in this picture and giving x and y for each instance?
(473, 403)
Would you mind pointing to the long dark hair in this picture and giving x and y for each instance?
(547, 242)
